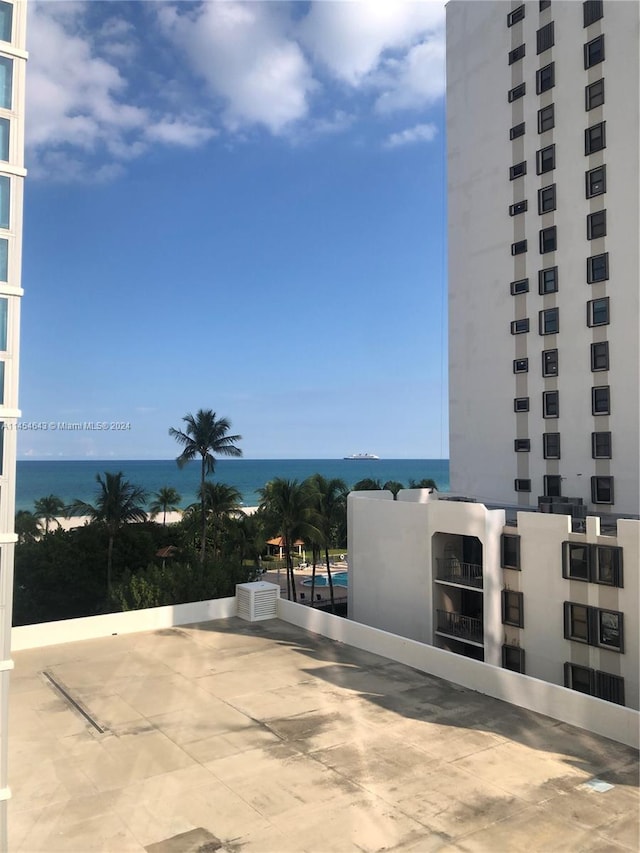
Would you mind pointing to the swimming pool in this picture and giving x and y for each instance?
(339, 579)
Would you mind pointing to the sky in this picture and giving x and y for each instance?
(237, 206)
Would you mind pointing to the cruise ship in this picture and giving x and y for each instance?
(362, 456)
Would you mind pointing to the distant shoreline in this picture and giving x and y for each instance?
(64, 523)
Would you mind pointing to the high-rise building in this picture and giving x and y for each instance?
(543, 121)
(13, 58)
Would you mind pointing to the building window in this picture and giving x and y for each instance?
(517, 92)
(6, 20)
(600, 356)
(521, 404)
(522, 445)
(545, 78)
(611, 630)
(4, 258)
(544, 38)
(4, 311)
(601, 445)
(550, 404)
(597, 225)
(594, 52)
(548, 280)
(1, 383)
(548, 240)
(600, 400)
(549, 321)
(546, 118)
(545, 159)
(6, 82)
(594, 683)
(512, 608)
(547, 199)
(516, 54)
(513, 658)
(596, 181)
(551, 445)
(580, 678)
(4, 139)
(598, 312)
(5, 201)
(552, 485)
(522, 485)
(592, 11)
(516, 131)
(544, 4)
(598, 268)
(520, 286)
(550, 362)
(595, 138)
(517, 171)
(576, 561)
(515, 16)
(607, 565)
(602, 490)
(510, 551)
(594, 95)
(519, 248)
(610, 687)
(520, 365)
(519, 327)
(577, 625)
(518, 207)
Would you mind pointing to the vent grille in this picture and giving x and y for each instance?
(257, 601)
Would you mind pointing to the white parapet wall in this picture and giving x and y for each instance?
(595, 715)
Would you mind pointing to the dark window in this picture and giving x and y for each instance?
(518, 170)
(594, 94)
(576, 561)
(579, 678)
(552, 485)
(544, 4)
(611, 630)
(596, 181)
(520, 365)
(519, 248)
(509, 551)
(516, 131)
(598, 312)
(595, 138)
(549, 321)
(522, 485)
(597, 225)
(519, 327)
(592, 11)
(545, 78)
(548, 280)
(513, 658)
(601, 445)
(522, 445)
(547, 199)
(545, 159)
(518, 207)
(548, 240)
(546, 118)
(600, 356)
(598, 268)
(515, 16)
(577, 622)
(550, 404)
(521, 404)
(520, 286)
(594, 52)
(600, 400)
(517, 92)
(607, 565)
(512, 608)
(550, 362)
(551, 445)
(544, 38)
(602, 490)
(594, 683)
(516, 54)
(610, 687)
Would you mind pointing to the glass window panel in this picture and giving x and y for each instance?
(4, 139)
(610, 633)
(5, 194)
(1, 383)
(4, 259)
(6, 19)
(6, 82)
(4, 309)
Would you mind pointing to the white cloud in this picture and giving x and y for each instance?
(419, 133)
(175, 132)
(415, 81)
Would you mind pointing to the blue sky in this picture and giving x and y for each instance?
(236, 206)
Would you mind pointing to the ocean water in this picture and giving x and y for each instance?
(71, 480)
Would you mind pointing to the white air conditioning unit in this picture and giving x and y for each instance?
(257, 601)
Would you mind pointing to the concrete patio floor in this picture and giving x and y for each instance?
(260, 737)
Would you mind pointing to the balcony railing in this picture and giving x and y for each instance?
(459, 626)
(452, 570)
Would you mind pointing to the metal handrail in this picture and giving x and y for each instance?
(453, 570)
(458, 625)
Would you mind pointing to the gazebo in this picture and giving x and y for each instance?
(278, 542)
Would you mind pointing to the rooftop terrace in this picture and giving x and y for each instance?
(263, 737)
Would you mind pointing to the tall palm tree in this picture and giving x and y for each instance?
(117, 502)
(205, 435)
(330, 505)
(48, 509)
(165, 500)
(247, 536)
(221, 503)
(27, 526)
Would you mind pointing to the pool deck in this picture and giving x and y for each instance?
(258, 737)
(304, 574)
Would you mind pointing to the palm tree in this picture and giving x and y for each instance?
(48, 509)
(425, 483)
(165, 500)
(221, 503)
(394, 487)
(247, 535)
(203, 436)
(366, 485)
(26, 526)
(289, 513)
(330, 505)
(117, 502)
